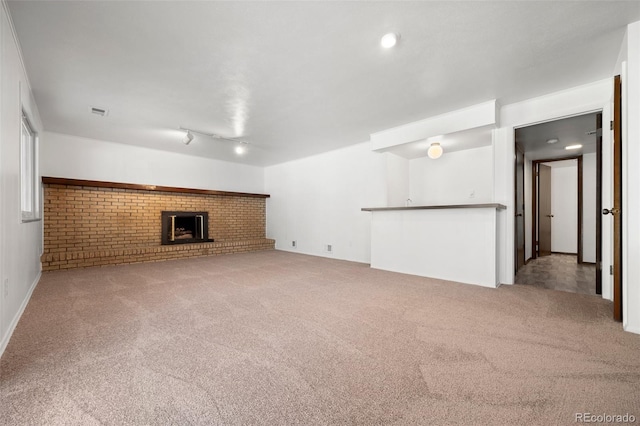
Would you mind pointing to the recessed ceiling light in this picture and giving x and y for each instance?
(240, 150)
(389, 40)
(576, 146)
(554, 140)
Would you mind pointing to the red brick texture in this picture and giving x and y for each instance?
(90, 226)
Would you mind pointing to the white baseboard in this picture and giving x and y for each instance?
(635, 330)
(7, 336)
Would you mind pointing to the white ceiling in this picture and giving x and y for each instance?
(568, 131)
(298, 78)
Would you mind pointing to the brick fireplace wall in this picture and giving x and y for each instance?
(91, 226)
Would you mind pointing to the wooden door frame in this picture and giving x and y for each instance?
(599, 131)
(534, 203)
(616, 126)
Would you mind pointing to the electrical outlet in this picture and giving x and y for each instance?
(6, 287)
(293, 244)
(329, 248)
(472, 194)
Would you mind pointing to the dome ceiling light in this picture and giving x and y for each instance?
(435, 151)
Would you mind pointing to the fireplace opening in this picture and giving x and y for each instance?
(185, 227)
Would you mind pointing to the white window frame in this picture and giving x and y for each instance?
(29, 185)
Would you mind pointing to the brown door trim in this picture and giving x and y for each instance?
(534, 209)
(617, 199)
(580, 207)
(534, 203)
(599, 203)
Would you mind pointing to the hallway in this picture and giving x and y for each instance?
(559, 272)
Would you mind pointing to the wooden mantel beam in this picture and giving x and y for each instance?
(140, 187)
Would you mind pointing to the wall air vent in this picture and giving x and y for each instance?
(102, 112)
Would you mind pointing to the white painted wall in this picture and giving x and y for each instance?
(564, 206)
(503, 193)
(455, 178)
(81, 158)
(397, 179)
(589, 208)
(450, 244)
(20, 243)
(631, 181)
(317, 200)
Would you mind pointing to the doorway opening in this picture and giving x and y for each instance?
(558, 202)
(558, 206)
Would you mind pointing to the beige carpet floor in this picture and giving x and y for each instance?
(274, 338)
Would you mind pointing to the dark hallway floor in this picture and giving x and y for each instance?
(559, 272)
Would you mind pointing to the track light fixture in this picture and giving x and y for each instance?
(240, 149)
(187, 138)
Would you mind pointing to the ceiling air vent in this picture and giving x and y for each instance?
(102, 112)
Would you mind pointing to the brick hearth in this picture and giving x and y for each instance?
(92, 223)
